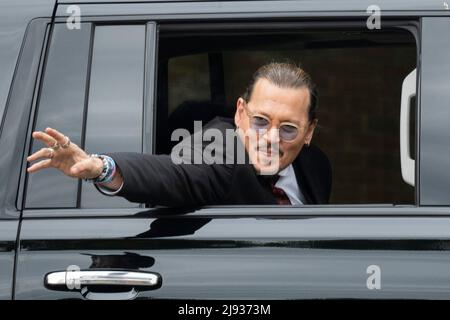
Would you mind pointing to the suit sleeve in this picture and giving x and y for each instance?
(156, 180)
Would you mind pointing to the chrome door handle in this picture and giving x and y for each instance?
(70, 280)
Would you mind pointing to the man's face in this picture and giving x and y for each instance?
(282, 110)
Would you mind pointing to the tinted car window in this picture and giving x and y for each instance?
(96, 97)
(61, 106)
(115, 108)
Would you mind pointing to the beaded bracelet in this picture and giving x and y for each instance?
(108, 171)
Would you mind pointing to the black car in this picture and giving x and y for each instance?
(121, 75)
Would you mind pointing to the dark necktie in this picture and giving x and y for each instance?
(279, 193)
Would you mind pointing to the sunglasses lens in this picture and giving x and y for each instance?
(288, 133)
(259, 123)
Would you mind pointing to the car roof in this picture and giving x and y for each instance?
(304, 5)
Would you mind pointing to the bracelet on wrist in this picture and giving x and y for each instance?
(108, 170)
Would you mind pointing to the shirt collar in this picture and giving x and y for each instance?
(286, 171)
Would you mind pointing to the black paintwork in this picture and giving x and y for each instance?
(8, 234)
(228, 252)
(245, 258)
(23, 25)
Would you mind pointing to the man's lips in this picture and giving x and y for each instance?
(269, 152)
(266, 154)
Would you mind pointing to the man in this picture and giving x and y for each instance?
(275, 119)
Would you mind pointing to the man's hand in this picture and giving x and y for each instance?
(69, 159)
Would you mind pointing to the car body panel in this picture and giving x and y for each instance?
(246, 258)
(311, 252)
(14, 127)
(205, 10)
(270, 6)
(434, 129)
(8, 236)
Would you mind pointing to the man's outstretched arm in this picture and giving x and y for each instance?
(153, 179)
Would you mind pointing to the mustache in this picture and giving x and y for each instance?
(268, 148)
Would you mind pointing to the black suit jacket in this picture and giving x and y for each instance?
(156, 180)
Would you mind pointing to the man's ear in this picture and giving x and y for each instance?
(239, 111)
(309, 134)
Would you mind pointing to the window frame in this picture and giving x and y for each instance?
(147, 115)
(343, 19)
(17, 114)
(412, 26)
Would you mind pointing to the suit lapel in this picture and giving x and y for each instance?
(305, 182)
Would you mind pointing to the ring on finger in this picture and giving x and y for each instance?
(55, 146)
(67, 143)
(52, 153)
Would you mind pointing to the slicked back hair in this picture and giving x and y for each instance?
(285, 75)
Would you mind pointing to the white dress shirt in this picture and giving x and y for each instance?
(107, 191)
(288, 183)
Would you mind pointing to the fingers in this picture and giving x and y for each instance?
(55, 134)
(43, 153)
(50, 137)
(45, 138)
(39, 166)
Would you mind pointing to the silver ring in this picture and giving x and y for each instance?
(55, 146)
(52, 153)
(67, 143)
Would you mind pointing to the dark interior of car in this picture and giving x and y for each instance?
(203, 69)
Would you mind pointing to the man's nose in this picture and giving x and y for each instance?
(273, 135)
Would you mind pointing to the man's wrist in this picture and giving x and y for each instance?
(99, 167)
(108, 170)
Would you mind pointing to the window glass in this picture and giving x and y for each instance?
(61, 105)
(96, 100)
(115, 107)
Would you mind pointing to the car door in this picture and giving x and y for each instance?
(21, 44)
(77, 243)
(8, 238)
